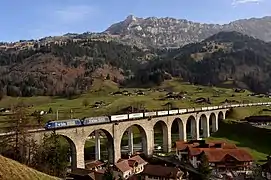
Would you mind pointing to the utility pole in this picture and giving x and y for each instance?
(57, 114)
(71, 115)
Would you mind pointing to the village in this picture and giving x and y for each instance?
(223, 160)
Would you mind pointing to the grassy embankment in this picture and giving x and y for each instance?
(256, 140)
(12, 170)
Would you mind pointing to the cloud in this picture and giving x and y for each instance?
(238, 2)
(73, 14)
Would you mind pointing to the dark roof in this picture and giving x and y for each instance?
(81, 172)
(162, 171)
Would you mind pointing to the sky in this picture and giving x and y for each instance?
(34, 19)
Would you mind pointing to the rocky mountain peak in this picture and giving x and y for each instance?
(130, 19)
(170, 32)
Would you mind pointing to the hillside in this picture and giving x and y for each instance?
(66, 68)
(12, 170)
(222, 58)
(170, 32)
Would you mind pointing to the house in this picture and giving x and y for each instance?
(81, 174)
(154, 172)
(129, 167)
(221, 155)
(94, 165)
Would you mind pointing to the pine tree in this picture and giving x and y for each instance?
(204, 168)
(108, 175)
(52, 157)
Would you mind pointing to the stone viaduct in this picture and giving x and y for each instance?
(77, 136)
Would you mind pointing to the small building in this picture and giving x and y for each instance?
(81, 174)
(222, 156)
(154, 172)
(129, 167)
(94, 165)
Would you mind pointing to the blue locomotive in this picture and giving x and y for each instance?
(76, 122)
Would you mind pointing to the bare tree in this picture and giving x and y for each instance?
(19, 145)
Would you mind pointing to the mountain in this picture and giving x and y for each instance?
(170, 32)
(222, 58)
(68, 66)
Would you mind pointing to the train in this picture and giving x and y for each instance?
(123, 117)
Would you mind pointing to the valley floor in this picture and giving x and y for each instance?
(100, 102)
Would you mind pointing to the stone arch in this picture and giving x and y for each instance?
(212, 123)
(227, 113)
(191, 128)
(178, 125)
(203, 126)
(220, 116)
(74, 151)
(97, 133)
(164, 128)
(143, 134)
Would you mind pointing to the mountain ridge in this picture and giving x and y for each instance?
(171, 32)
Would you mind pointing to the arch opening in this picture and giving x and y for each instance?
(220, 116)
(99, 146)
(177, 130)
(133, 141)
(191, 128)
(160, 137)
(203, 126)
(65, 145)
(212, 123)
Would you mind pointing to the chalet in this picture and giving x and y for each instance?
(82, 174)
(129, 167)
(154, 172)
(202, 100)
(222, 156)
(94, 165)
(125, 92)
(116, 93)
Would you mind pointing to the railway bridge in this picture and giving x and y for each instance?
(204, 121)
(199, 122)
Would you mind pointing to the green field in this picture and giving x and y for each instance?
(75, 108)
(152, 101)
(255, 140)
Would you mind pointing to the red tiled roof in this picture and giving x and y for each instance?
(138, 159)
(217, 155)
(93, 164)
(131, 162)
(161, 171)
(126, 165)
(181, 145)
(123, 166)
